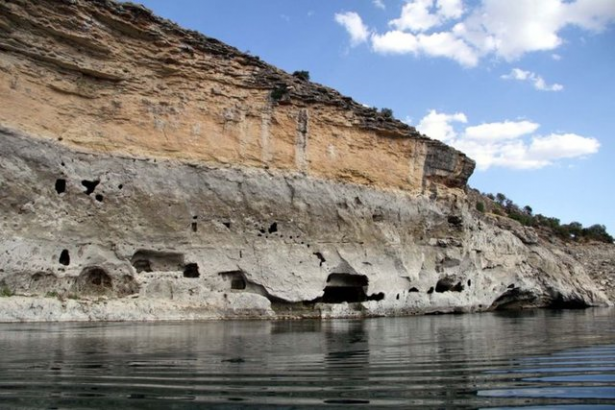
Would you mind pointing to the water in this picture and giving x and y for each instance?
(539, 359)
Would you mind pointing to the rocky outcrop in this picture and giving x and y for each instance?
(114, 78)
(148, 172)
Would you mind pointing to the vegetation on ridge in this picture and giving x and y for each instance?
(499, 204)
(302, 75)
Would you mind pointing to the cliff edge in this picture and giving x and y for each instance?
(149, 172)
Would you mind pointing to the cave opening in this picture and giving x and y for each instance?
(145, 260)
(344, 287)
(236, 278)
(94, 280)
(273, 228)
(60, 185)
(90, 186)
(65, 257)
(191, 270)
(142, 265)
(448, 284)
(320, 257)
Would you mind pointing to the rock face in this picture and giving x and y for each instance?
(148, 172)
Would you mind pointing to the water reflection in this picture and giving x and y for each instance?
(531, 359)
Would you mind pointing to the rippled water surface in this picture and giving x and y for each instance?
(539, 359)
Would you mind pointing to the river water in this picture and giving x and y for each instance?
(534, 359)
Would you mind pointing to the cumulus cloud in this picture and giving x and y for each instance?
(436, 45)
(352, 22)
(501, 29)
(438, 125)
(557, 146)
(506, 144)
(379, 4)
(395, 42)
(416, 16)
(450, 9)
(500, 130)
(422, 15)
(537, 81)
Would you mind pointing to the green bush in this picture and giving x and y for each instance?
(524, 219)
(386, 113)
(5, 292)
(302, 75)
(574, 231)
(500, 198)
(279, 92)
(498, 211)
(480, 207)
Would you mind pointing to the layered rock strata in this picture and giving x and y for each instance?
(148, 172)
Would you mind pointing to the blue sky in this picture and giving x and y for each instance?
(525, 87)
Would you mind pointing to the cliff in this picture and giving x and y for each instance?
(150, 172)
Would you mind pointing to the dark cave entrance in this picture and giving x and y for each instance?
(64, 257)
(60, 185)
(236, 279)
(191, 270)
(157, 261)
(94, 280)
(343, 287)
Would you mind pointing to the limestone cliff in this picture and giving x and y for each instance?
(149, 172)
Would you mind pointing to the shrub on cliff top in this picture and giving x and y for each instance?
(302, 75)
(386, 113)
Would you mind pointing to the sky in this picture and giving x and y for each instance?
(526, 87)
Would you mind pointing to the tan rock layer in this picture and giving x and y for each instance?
(113, 78)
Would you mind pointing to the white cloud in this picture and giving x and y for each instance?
(506, 144)
(557, 146)
(592, 15)
(450, 9)
(556, 57)
(379, 4)
(422, 15)
(435, 45)
(416, 16)
(437, 125)
(537, 81)
(500, 130)
(447, 45)
(511, 29)
(395, 42)
(497, 28)
(353, 24)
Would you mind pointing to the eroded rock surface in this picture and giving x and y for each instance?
(148, 172)
(166, 239)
